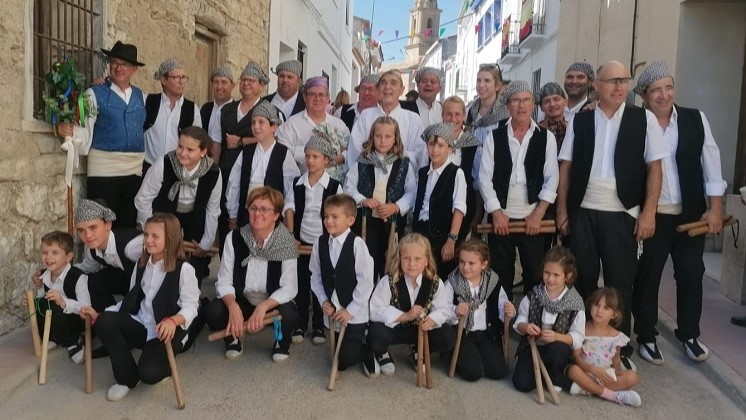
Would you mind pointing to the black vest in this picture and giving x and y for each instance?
(153, 106)
(561, 324)
(68, 284)
(394, 186)
(401, 300)
(343, 277)
(533, 163)
(229, 124)
(122, 236)
(467, 165)
(689, 163)
(300, 203)
(240, 252)
(300, 104)
(629, 158)
(272, 178)
(166, 300)
(441, 201)
(348, 115)
(206, 184)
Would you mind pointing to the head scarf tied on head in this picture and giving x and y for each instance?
(425, 71)
(582, 67)
(321, 142)
(514, 87)
(293, 66)
(166, 67)
(318, 81)
(90, 210)
(371, 79)
(657, 70)
(444, 131)
(221, 71)
(252, 69)
(268, 111)
(549, 89)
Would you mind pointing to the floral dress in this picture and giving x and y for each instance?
(599, 351)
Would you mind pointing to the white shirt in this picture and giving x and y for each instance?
(239, 114)
(152, 280)
(518, 151)
(255, 289)
(215, 127)
(459, 190)
(285, 106)
(381, 309)
(570, 112)
(714, 184)
(358, 307)
(405, 203)
(311, 226)
(151, 186)
(163, 136)
(480, 313)
(429, 115)
(297, 130)
(82, 297)
(410, 127)
(133, 251)
(576, 331)
(259, 166)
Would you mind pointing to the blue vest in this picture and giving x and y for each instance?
(119, 126)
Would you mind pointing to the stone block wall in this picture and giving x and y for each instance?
(32, 186)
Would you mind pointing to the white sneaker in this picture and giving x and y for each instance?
(575, 389)
(117, 392)
(77, 353)
(696, 350)
(51, 345)
(651, 353)
(234, 350)
(278, 354)
(627, 364)
(630, 398)
(388, 367)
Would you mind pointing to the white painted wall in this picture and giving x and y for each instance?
(466, 58)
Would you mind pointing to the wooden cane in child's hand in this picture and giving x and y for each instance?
(175, 375)
(31, 303)
(549, 383)
(428, 367)
(335, 362)
(268, 319)
(364, 229)
(457, 348)
(332, 337)
(506, 339)
(537, 370)
(45, 348)
(88, 357)
(420, 355)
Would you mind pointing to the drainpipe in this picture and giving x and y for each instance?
(632, 65)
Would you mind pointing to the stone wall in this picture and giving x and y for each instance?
(32, 186)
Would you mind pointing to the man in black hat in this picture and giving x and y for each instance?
(113, 136)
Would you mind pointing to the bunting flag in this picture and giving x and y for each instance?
(428, 31)
(380, 32)
(396, 33)
(467, 3)
(441, 32)
(476, 27)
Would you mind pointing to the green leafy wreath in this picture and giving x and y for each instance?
(64, 99)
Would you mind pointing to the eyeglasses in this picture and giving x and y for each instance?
(177, 78)
(617, 81)
(489, 66)
(314, 95)
(521, 101)
(120, 64)
(366, 89)
(261, 210)
(250, 80)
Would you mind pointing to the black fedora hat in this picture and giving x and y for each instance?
(126, 52)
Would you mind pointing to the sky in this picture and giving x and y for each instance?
(392, 15)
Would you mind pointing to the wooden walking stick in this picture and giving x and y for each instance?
(332, 337)
(335, 361)
(31, 303)
(697, 231)
(548, 382)
(428, 367)
(506, 339)
(698, 224)
(175, 375)
(454, 357)
(88, 358)
(535, 359)
(269, 318)
(420, 356)
(364, 229)
(45, 348)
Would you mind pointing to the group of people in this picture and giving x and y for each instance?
(268, 176)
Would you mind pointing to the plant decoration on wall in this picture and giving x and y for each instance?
(64, 100)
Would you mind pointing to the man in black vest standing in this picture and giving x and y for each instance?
(367, 97)
(610, 180)
(286, 98)
(168, 113)
(578, 79)
(221, 80)
(690, 172)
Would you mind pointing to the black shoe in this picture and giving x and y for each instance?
(738, 320)
(279, 354)
(298, 336)
(371, 366)
(696, 350)
(627, 364)
(233, 349)
(318, 337)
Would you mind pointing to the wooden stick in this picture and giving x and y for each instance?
(31, 303)
(332, 337)
(364, 230)
(420, 356)
(506, 340)
(542, 229)
(190, 248)
(689, 226)
(268, 319)
(45, 348)
(548, 382)
(175, 375)
(537, 370)
(88, 357)
(459, 335)
(703, 229)
(516, 224)
(428, 367)
(335, 362)
(304, 249)
(70, 209)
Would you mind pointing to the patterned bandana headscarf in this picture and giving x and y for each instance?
(183, 179)
(466, 139)
(571, 301)
(498, 113)
(90, 210)
(582, 67)
(253, 70)
(373, 159)
(549, 89)
(166, 67)
(514, 87)
(321, 144)
(268, 111)
(444, 131)
(462, 291)
(221, 71)
(293, 66)
(318, 81)
(371, 78)
(657, 70)
(428, 71)
(280, 246)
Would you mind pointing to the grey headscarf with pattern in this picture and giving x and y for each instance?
(462, 291)
(582, 67)
(657, 70)
(90, 210)
(166, 67)
(279, 247)
(429, 71)
(515, 87)
(321, 144)
(221, 71)
(183, 179)
(444, 131)
(466, 139)
(293, 66)
(268, 111)
(571, 301)
(252, 69)
(549, 89)
(498, 112)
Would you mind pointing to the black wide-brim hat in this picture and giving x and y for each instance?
(126, 52)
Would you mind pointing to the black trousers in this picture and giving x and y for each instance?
(444, 268)
(119, 333)
(65, 329)
(377, 238)
(216, 315)
(200, 264)
(502, 255)
(118, 192)
(556, 357)
(608, 238)
(353, 350)
(686, 254)
(380, 337)
(306, 297)
(104, 284)
(480, 355)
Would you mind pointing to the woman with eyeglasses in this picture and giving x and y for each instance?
(258, 274)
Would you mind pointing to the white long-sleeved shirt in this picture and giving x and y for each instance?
(152, 280)
(429, 115)
(518, 151)
(163, 136)
(480, 313)
(297, 130)
(215, 126)
(132, 251)
(458, 195)
(570, 112)
(82, 296)
(311, 226)
(255, 289)
(151, 186)
(259, 166)
(405, 203)
(381, 309)
(285, 106)
(358, 307)
(577, 328)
